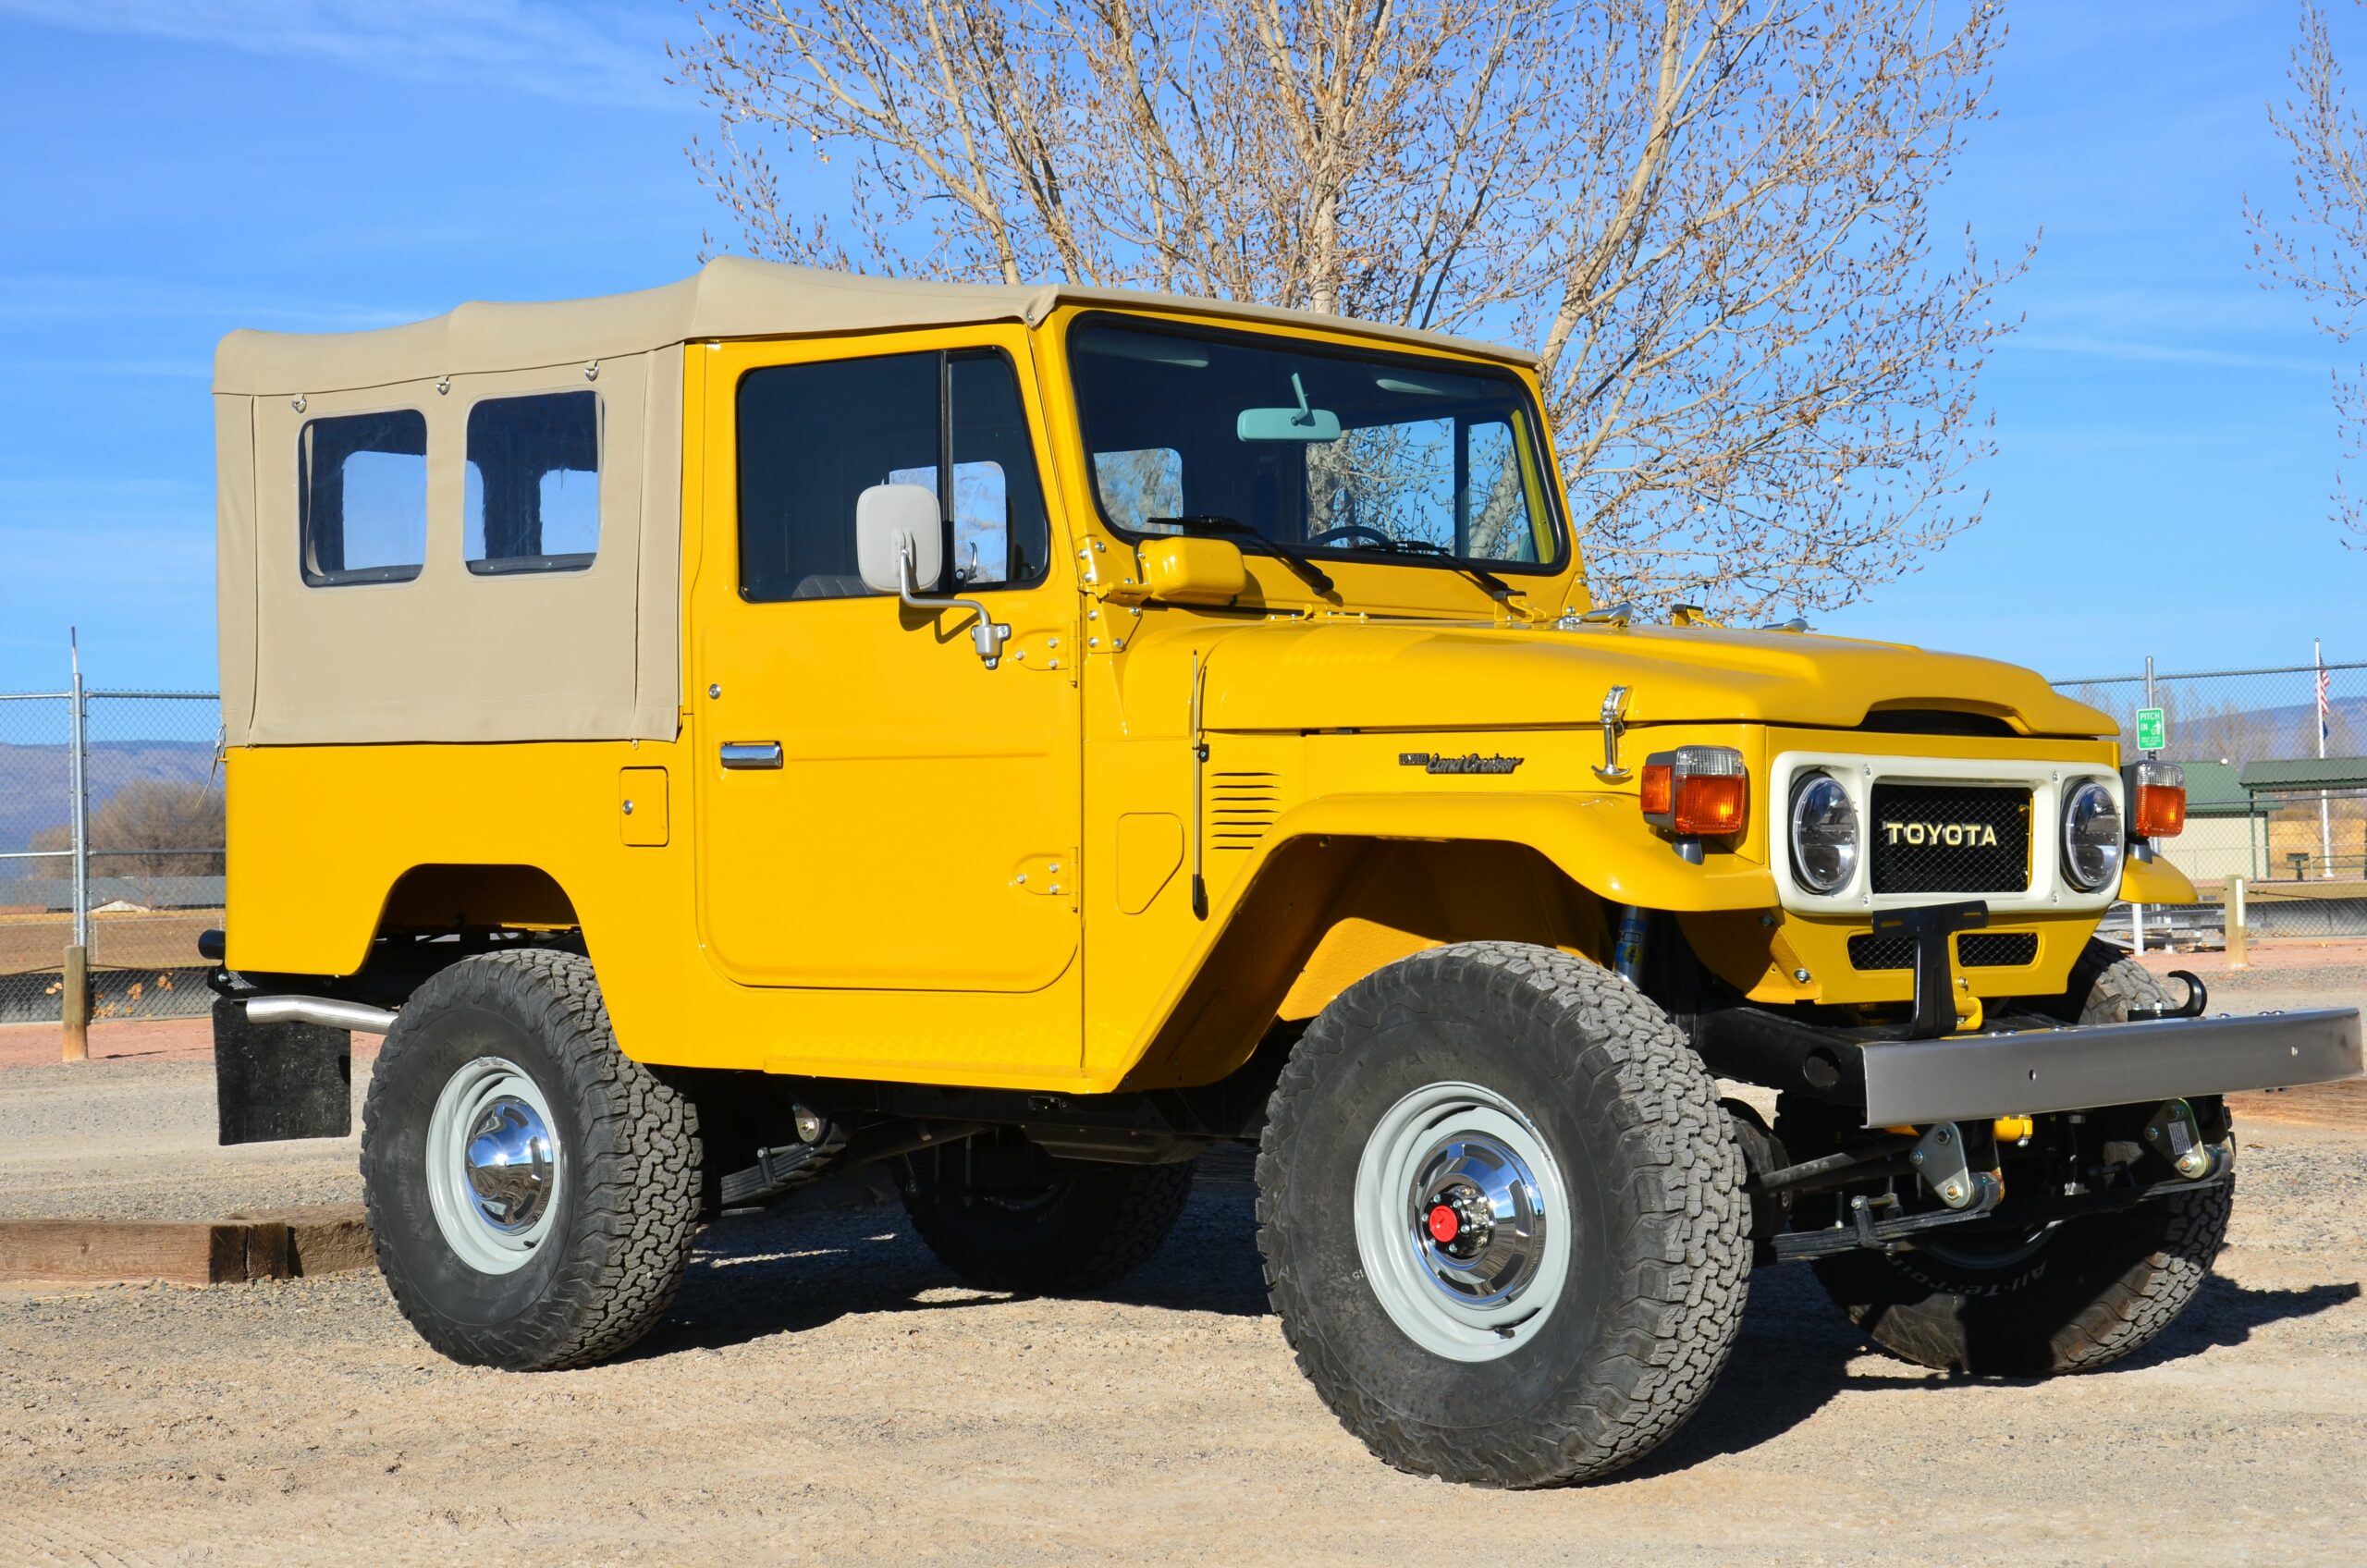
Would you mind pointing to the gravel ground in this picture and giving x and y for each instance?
(133, 1139)
(822, 1392)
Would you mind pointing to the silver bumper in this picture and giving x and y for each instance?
(2098, 1064)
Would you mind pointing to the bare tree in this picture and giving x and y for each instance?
(1711, 217)
(2319, 248)
(151, 827)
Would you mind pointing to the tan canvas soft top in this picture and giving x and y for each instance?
(729, 296)
(591, 654)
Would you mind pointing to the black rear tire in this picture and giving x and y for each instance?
(1543, 1366)
(2084, 1294)
(1005, 1216)
(624, 1201)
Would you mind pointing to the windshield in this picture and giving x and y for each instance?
(1311, 448)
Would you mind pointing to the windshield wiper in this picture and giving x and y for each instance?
(1496, 587)
(1209, 522)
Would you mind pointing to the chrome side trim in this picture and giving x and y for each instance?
(2079, 1068)
(323, 1011)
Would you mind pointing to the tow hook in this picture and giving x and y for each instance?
(1940, 1159)
(2173, 1135)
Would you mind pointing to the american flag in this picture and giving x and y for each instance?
(2325, 727)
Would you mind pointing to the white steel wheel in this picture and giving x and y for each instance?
(1463, 1224)
(493, 1165)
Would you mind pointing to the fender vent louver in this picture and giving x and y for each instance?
(1241, 808)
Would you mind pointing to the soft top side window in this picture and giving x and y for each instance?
(531, 499)
(361, 496)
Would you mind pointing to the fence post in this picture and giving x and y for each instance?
(2232, 916)
(77, 988)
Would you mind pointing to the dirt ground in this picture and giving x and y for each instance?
(169, 940)
(821, 1391)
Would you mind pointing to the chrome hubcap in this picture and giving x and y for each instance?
(1462, 1221)
(1478, 1223)
(509, 1164)
(495, 1166)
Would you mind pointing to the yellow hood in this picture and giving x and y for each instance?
(1401, 675)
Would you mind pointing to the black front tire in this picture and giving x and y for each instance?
(1005, 1216)
(2082, 1295)
(1579, 1076)
(626, 1203)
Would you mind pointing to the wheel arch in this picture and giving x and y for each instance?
(444, 896)
(341, 930)
(1321, 911)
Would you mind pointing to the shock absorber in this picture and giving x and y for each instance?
(1627, 953)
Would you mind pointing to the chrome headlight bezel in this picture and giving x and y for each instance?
(2094, 836)
(1817, 792)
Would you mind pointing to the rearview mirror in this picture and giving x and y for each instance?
(889, 520)
(1301, 424)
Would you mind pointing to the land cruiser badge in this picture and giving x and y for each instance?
(1472, 762)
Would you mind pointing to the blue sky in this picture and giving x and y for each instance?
(173, 170)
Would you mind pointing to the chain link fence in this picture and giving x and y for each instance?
(2276, 760)
(2275, 764)
(111, 831)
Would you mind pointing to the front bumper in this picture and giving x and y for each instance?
(2029, 1072)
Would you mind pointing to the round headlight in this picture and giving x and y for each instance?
(1824, 833)
(2092, 835)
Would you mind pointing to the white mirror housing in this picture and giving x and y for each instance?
(889, 519)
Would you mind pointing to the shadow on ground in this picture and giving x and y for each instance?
(757, 1277)
(1795, 1350)
(753, 1278)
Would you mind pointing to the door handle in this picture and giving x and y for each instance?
(752, 754)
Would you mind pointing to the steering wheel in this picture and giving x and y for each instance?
(1352, 530)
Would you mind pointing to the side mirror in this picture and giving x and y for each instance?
(1185, 570)
(900, 548)
(889, 520)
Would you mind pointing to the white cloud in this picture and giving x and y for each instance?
(605, 53)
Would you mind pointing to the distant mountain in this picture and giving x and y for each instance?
(36, 782)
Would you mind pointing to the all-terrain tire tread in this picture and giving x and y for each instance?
(1686, 1251)
(636, 1177)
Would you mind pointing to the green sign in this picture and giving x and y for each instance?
(2149, 729)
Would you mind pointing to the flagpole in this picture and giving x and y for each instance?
(2325, 813)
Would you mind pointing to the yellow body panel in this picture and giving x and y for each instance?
(1116, 861)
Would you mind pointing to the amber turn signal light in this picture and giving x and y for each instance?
(1697, 791)
(2156, 799)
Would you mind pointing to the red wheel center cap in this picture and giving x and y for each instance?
(1445, 1224)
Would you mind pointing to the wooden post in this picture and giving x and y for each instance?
(76, 1012)
(2233, 917)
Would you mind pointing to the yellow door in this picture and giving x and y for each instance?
(879, 810)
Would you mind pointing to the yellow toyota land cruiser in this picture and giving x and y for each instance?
(783, 721)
